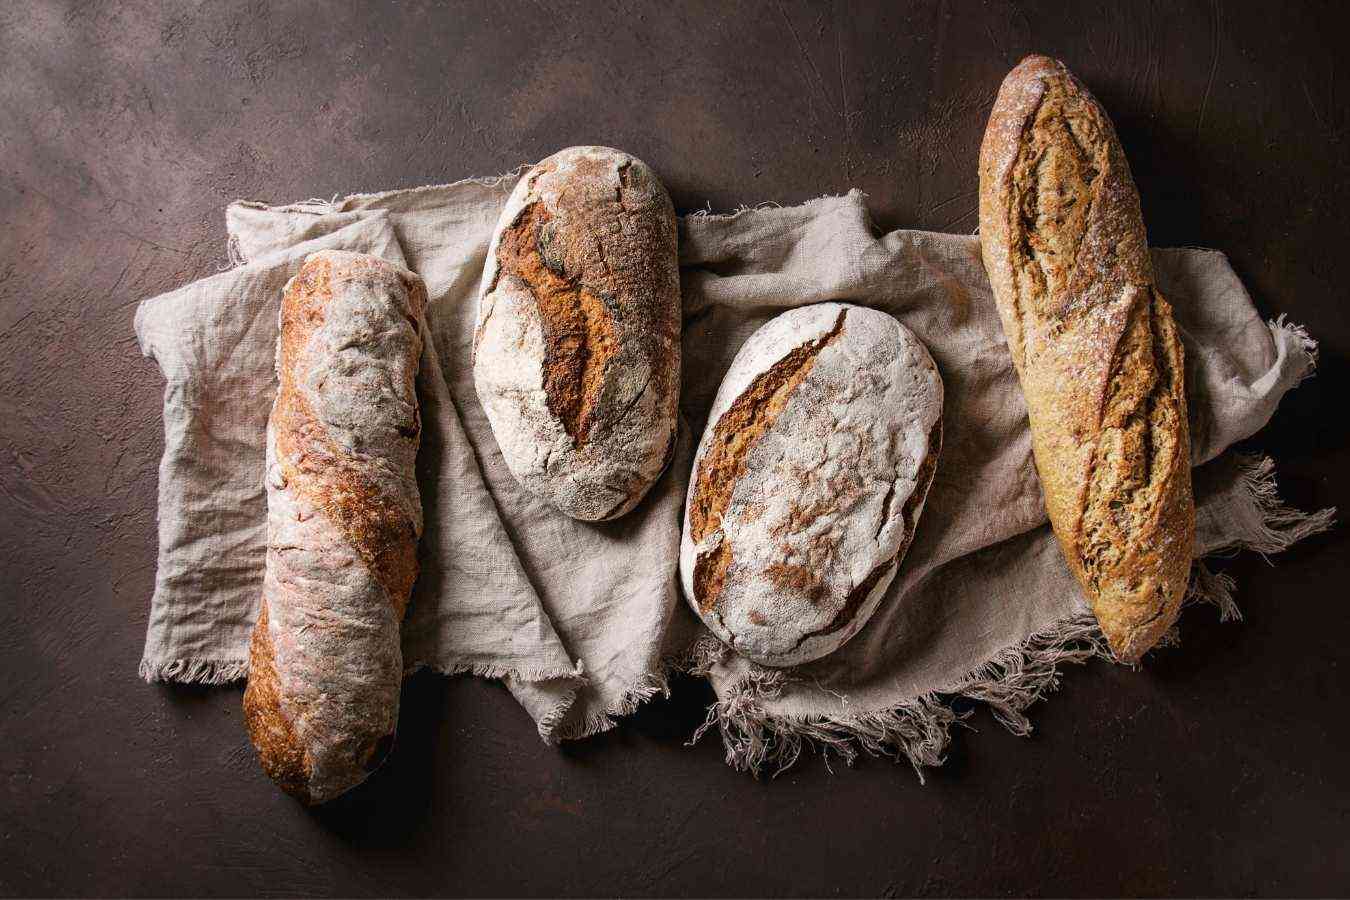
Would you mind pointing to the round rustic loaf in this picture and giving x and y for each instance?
(809, 481)
(577, 344)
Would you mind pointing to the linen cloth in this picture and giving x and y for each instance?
(583, 621)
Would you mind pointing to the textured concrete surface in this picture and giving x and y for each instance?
(124, 128)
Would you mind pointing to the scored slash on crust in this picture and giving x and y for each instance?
(782, 555)
(1095, 346)
(737, 431)
(579, 337)
(577, 341)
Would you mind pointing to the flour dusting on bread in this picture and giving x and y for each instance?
(809, 481)
(577, 344)
(344, 515)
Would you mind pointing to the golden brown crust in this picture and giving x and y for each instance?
(329, 478)
(279, 748)
(1095, 345)
(322, 721)
(579, 339)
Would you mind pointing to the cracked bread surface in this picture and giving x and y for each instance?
(1096, 348)
(809, 481)
(577, 343)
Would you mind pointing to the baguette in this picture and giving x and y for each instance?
(1095, 346)
(809, 481)
(576, 356)
(343, 520)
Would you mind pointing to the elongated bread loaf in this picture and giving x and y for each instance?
(1096, 348)
(577, 345)
(809, 481)
(343, 520)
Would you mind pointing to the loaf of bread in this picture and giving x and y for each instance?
(809, 481)
(577, 344)
(343, 520)
(1096, 348)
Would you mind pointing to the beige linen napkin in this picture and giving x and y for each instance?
(215, 341)
(984, 606)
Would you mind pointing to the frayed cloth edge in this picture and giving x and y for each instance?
(645, 688)
(1280, 525)
(1305, 342)
(193, 671)
(496, 671)
(1014, 679)
(574, 677)
(224, 671)
(320, 206)
(551, 728)
(706, 212)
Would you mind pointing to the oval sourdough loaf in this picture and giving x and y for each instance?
(809, 481)
(577, 345)
(343, 520)
(1094, 343)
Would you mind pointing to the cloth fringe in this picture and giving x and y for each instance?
(757, 742)
(1213, 589)
(645, 688)
(919, 730)
(494, 671)
(1282, 525)
(546, 725)
(335, 203)
(193, 671)
(707, 211)
(549, 722)
(1305, 341)
(551, 727)
(482, 180)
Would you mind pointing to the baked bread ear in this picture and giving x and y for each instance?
(343, 519)
(1095, 346)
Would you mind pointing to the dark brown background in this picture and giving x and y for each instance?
(125, 127)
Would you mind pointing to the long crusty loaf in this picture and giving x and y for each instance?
(577, 346)
(1095, 345)
(809, 481)
(343, 520)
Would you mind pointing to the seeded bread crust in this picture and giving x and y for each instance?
(809, 481)
(577, 344)
(1095, 346)
(344, 517)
